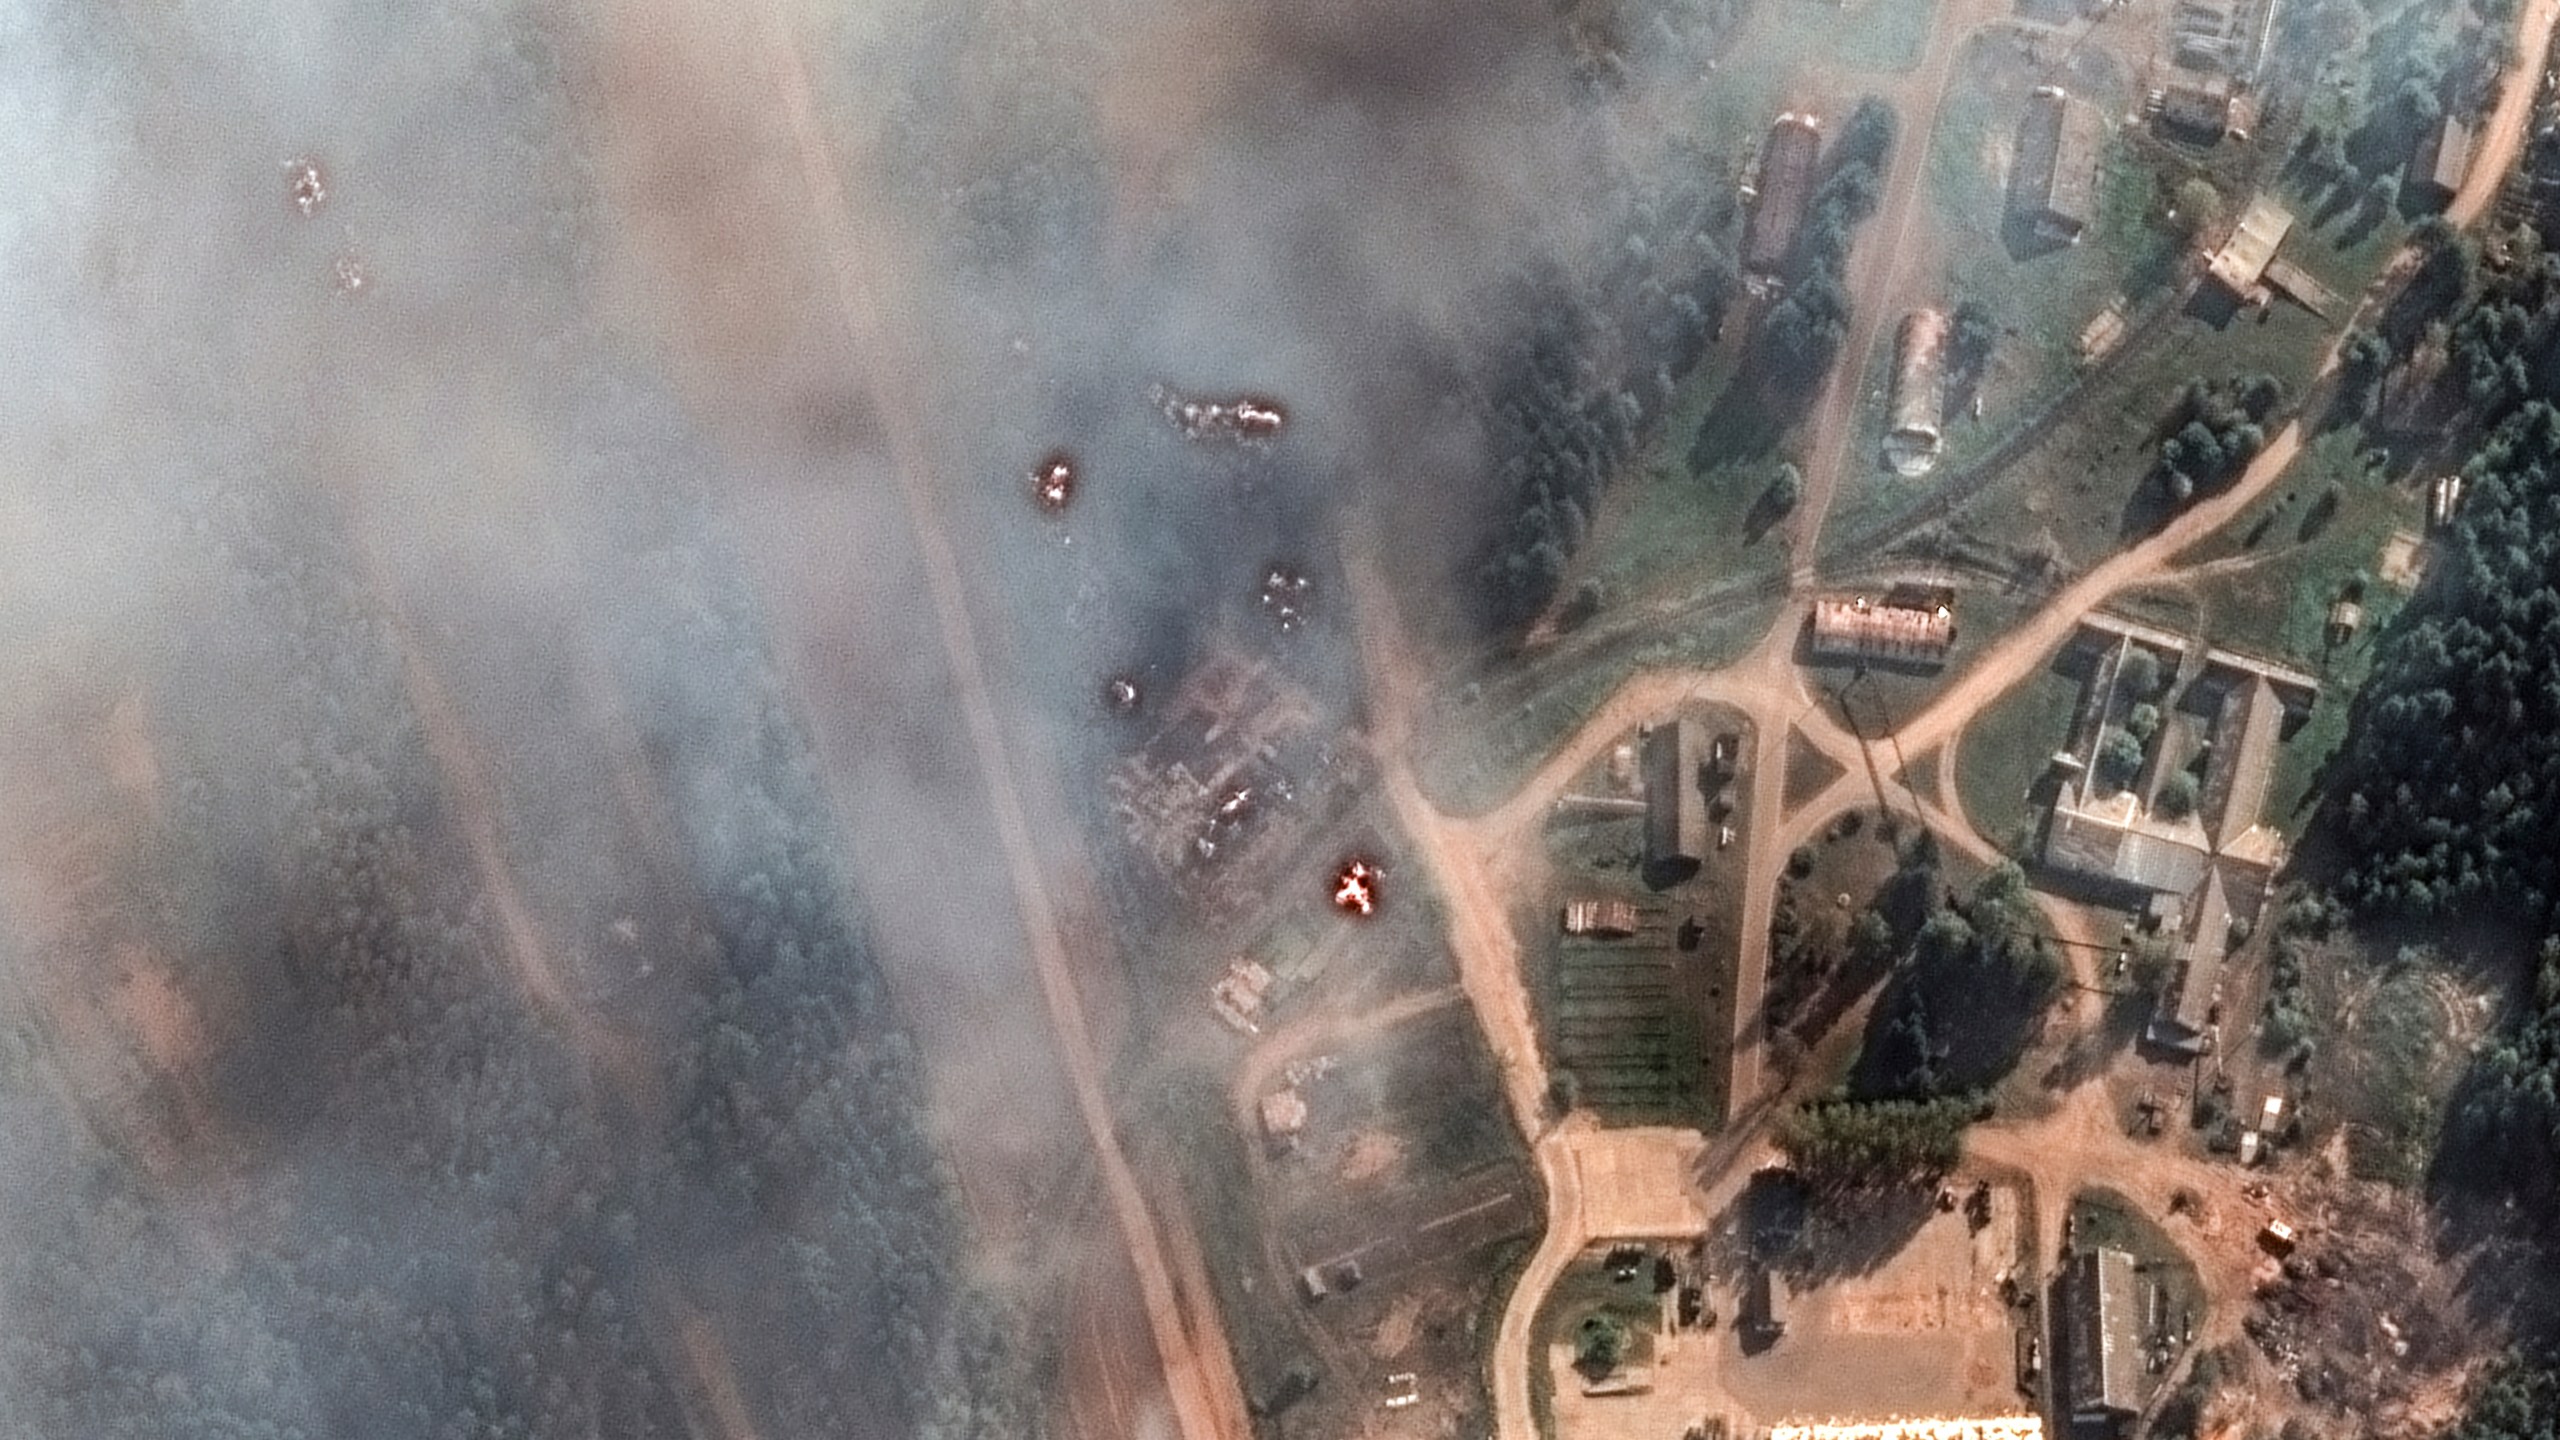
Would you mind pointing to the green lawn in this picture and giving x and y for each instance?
(1478, 747)
(1581, 1292)
(2006, 750)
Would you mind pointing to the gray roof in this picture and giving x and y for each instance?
(2445, 155)
(2056, 179)
(2204, 949)
(2127, 854)
(1675, 814)
(2106, 1334)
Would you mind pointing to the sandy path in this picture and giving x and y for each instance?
(1311, 1032)
(1884, 272)
(1207, 1395)
(2501, 141)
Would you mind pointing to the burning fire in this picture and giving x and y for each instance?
(1053, 483)
(1355, 888)
(305, 187)
(1284, 596)
(1245, 420)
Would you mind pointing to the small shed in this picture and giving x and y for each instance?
(2443, 157)
(1284, 1115)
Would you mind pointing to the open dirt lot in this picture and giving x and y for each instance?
(1922, 1331)
(1641, 1184)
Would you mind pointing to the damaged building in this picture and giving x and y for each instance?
(1240, 769)
(1784, 189)
(1912, 629)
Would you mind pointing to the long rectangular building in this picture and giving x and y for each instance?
(2105, 1327)
(1786, 188)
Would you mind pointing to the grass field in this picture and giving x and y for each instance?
(1584, 1290)
(1644, 1025)
(2006, 750)
(1476, 749)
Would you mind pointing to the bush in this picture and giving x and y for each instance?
(2177, 797)
(2119, 759)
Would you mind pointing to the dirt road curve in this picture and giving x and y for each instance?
(2501, 141)
(1199, 1366)
(1883, 270)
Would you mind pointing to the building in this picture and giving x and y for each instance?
(2054, 186)
(1984, 1427)
(1785, 189)
(2240, 266)
(2201, 108)
(1610, 919)
(2114, 842)
(2443, 158)
(1763, 1303)
(1284, 1115)
(1675, 808)
(1238, 996)
(2104, 1320)
(1919, 404)
(1860, 630)
(2189, 1016)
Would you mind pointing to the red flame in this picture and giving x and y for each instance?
(1053, 484)
(1356, 888)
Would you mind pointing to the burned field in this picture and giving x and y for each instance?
(1378, 1206)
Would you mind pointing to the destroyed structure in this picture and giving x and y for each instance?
(2054, 187)
(1675, 814)
(2104, 1319)
(1246, 420)
(1919, 401)
(1237, 775)
(2201, 108)
(1785, 188)
(2228, 36)
(1908, 627)
(1611, 919)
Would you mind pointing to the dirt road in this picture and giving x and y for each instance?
(1882, 272)
(1199, 1368)
(2501, 138)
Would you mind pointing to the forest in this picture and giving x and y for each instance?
(2445, 788)
(421, 1209)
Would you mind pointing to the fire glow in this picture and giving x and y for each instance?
(1053, 483)
(1248, 420)
(1355, 889)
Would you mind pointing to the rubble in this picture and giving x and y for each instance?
(1284, 596)
(1247, 420)
(305, 186)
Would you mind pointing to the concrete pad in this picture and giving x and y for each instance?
(1640, 1184)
